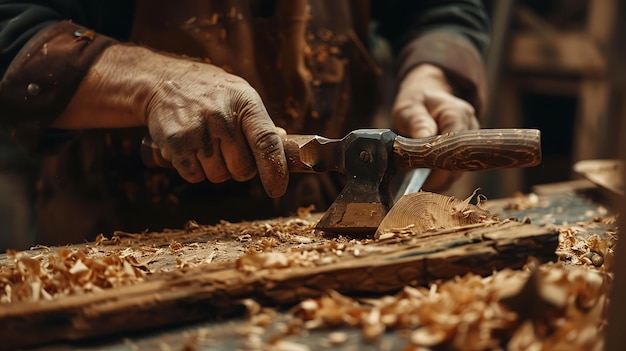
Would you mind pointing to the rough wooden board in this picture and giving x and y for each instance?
(215, 290)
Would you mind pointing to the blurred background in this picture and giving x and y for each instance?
(547, 68)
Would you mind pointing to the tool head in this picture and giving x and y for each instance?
(366, 198)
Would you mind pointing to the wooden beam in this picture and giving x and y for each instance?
(566, 54)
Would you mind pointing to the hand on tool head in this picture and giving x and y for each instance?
(425, 106)
(210, 124)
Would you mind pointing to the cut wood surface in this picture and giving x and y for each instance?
(423, 212)
(174, 295)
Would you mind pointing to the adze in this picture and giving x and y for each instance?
(370, 157)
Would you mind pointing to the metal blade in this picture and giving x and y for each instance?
(412, 183)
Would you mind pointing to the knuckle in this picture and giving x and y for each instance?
(188, 170)
(247, 100)
(177, 142)
(267, 142)
(244, 173)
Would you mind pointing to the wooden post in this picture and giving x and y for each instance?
(616, 338)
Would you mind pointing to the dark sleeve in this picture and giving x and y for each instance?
(453, 35)
(46, 48)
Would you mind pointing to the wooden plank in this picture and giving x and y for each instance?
(592, 126)
(616, 338)
(216, 290)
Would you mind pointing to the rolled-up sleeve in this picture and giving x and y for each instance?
(453, 35)
(46, 49)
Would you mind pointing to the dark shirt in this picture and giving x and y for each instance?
(400, 20)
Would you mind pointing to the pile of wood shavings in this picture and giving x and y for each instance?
(255, 261)
(65, 272)
(590, 251)
(516, 310)
(204, 244)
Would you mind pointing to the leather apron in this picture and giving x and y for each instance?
(306, 59)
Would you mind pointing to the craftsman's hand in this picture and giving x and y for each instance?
(425, 106)
(210, 124)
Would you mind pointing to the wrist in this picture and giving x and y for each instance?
(116, 90)
(429, 76)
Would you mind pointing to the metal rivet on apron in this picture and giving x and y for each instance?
(80, 32)
(33, 89)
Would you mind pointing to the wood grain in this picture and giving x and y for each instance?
(472, 150)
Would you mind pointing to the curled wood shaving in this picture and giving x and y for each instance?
(561, 307)
(477, 313)
(65, 272)
(592, 251)
(304, 212)
(462, 206)
(103, 240)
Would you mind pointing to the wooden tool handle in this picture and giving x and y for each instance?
(470, 150)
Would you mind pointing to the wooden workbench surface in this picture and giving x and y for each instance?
(203, 273)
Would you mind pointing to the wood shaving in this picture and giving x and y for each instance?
(337, 338)
(521, 201)
(305, 212)
(535, 308)
(592, 251)
(257, 261)
(65, 272)
(478, 313)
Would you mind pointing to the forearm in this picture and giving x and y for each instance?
(452, 35)
(116, 89)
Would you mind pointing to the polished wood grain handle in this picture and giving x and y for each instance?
(470, 150)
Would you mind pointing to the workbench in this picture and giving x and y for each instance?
(578, 205)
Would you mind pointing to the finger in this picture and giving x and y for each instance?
(188, 167)
(213, 164)
(267, 148)
(450, 113)
(224, 153)
(237, 159)
(414, 121)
